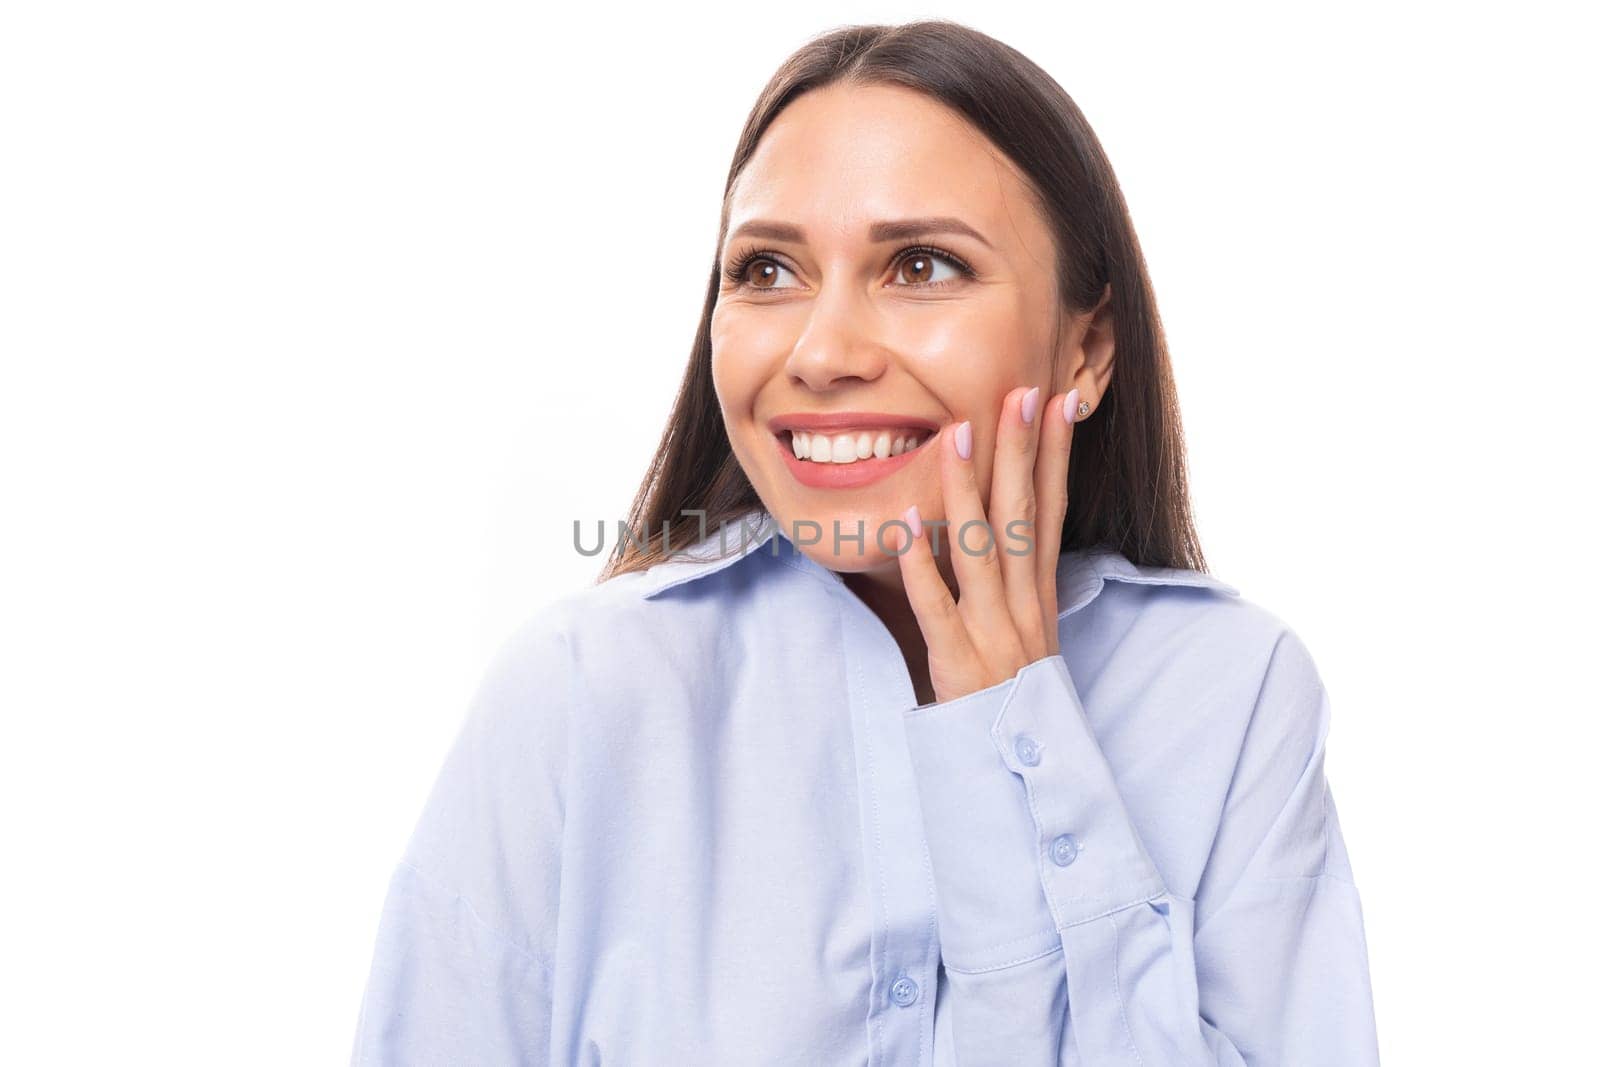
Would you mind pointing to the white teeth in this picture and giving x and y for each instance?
(852, 446)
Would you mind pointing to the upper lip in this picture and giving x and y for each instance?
(848, 420)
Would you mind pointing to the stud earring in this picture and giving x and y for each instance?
(1083, 408)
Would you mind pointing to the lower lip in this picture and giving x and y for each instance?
(846, 475)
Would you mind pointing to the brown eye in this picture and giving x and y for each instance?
(764, 269)
(918, 268)
(755, 272)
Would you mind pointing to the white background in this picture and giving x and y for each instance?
(321, 321)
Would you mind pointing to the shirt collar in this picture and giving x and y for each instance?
(1080, 575)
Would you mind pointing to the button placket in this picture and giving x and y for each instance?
(904, 928)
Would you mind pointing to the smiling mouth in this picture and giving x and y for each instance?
(851, 446)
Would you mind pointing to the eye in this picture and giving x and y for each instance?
(766, 271)
(916, 264)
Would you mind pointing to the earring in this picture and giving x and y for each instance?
(1083, 408)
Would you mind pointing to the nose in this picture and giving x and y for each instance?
(837, 346)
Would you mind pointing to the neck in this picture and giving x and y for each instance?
(883, 592)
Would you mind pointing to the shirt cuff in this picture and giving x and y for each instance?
(1027, 832)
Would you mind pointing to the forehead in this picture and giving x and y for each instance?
(843, 155)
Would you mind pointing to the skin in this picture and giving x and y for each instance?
(849, 324)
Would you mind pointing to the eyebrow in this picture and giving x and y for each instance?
(887, 230)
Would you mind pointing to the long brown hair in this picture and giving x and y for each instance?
(1127, 486)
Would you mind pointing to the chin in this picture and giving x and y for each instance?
(812, 529)
(848, 562)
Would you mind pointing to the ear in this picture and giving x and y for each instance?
(1088, 352)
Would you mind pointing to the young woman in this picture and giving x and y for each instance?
(877, 751)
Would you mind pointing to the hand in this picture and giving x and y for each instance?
(1005, 617)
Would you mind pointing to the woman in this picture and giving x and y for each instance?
(876, 751)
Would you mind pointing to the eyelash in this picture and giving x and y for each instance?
(735, 272)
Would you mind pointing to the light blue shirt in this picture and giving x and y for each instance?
(696, 816)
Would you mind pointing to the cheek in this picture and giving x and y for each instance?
(738, 381)
(747, 359)
(751, 332)
(1017, 339)
(738, 362)
(973, 361)
(728, 375)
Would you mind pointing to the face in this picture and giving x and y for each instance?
(867, 338)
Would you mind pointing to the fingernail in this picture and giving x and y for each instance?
(964, 440)
(1070, 408)
(1030, 404)
(914, 520)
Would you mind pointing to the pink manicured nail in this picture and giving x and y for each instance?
(1030, 404)
(1070, 408)
(964, 440)
(914, 520)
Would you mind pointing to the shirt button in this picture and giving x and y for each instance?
(904, 991)
(1063, 850)
(1027, 750)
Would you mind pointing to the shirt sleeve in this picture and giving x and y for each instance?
(461, 972)
(1061, 941)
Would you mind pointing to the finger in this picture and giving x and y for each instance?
(971, 544)
(936, 611)
(1013, 513)
(1050, 489)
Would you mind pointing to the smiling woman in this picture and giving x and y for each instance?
(958, 754)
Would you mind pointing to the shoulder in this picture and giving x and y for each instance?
(574, 668)
(602, 646)
(1191, 615)
(1222, 657)
(562, 658)
(1209, 702)
(643, 598)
